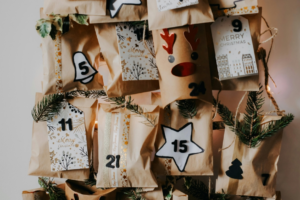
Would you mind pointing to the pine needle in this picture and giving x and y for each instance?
(55, 193)
(187, 108)
(134, 194)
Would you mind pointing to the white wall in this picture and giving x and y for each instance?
(21, 75)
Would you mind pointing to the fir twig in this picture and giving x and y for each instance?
(187, 108)
(134, 194)
(55, 193)
(196, 188)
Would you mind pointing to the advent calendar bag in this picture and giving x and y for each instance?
(156, 194)
(65, 7)
(126, 141)
(184, 146)
(42, 162)
(233, 7)
(182, 60)
(194, 14)
(71, 61)
(243, 83)
(126, 77)
(122, 11)
(38, 194)
(249, 171)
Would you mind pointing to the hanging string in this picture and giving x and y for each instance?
(216, 111)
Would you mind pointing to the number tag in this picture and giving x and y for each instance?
(84, 71)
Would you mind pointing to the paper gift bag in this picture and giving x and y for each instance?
(40, 160)
(65, 7)
(107, 36)
(126, 141)
(125, 12)
(249, 171)
(178, 195)
(276, 197)
(182, 61)
(232, 7)
(194, 14)
(38, 193)
(71, 61)
(250, 83)
(79, 191)
(198, 160)
(156, 194)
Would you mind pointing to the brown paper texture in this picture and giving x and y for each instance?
(64, 7)
(80, 38)
(250, 83)
(116, 87)
(178, 195)
(156, 194)
(122, 133)
(38, 193)
(198, 164)
(40, 157)
(194, 14)
(233, 7)
(127, 13)
(174, 87)
(255, 162)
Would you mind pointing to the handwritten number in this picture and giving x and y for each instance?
(85, 68)
(63, 123)
(112, 160)
(237, 24)
(118, 161)
(198, 88)
(175, 145)
(266, 176)
(181, 145)
(69, 122)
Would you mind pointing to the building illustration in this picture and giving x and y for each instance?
(223, 67)
(248, 64)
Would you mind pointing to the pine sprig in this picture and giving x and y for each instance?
(55, 193)
(134, 194)
(196, 188)
(187, 108)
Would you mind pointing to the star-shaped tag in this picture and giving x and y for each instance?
(115, 5)
(178, 145)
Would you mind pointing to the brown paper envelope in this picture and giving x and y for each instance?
(194, 14)
(127, 13)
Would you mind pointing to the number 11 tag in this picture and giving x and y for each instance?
(67, 139)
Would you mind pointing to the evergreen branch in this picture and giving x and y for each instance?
(187, 108)
(134, 194)
(55, 193)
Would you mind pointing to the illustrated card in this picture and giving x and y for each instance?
(233, 47)
(67, 139)
(173, 4)
(235, 7)
(137, 58)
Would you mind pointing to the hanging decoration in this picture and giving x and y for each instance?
(115, 5)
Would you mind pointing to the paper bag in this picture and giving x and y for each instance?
(156, 194)
(276, 197)
(182, 60)
(126, 13)
(38, 193)
(194, 14)
(178, 195)
(250, 83)
(196, 163)
(249, 171)
(71, 61)
(116, 87)
(126, 142)
(40, 157)
(65, 7)
(233, 7)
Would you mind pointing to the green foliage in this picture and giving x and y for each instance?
(187, 108)
(168, 187)
(43, 27)
(80, 19)
(55, 193)
(134, 194)
(196, 188)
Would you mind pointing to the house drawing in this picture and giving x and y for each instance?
(223, 66)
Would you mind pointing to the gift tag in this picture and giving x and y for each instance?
(84, 71)
(235, 7)
(136, 58)
(67, 139)
(179, 145)
(173, 4)
(233, 47)
(115, 5)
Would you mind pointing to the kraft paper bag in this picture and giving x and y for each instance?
(126, 13)
(38, 194)
(250, 83)
(71, 61)
(116, 87)
(126, 142)
(178, 195)
(276, 197)
(231, 7)
(182, 61)
(40, 157)
(196, 164)
(65, 7)
(255, 168)
(194, 14)
(156, 194)
(79, 191)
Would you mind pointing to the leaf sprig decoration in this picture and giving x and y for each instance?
(55, 193)
(134, 194)
(187, 108)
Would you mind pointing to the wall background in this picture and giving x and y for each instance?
(21, 75)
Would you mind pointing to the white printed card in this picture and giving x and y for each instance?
(136, 59)
(233, 47)
(164, 5)
(67, 139)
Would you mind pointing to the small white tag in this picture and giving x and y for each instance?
(67, 139)
(173, 4)
(233, 47)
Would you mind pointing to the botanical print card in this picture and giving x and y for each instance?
(67, 139)
(173, 4)
(233, 47)
(235, 7)
(137, 58)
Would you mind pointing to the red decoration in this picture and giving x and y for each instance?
(170, 39)
(191, 37)
(184, 69)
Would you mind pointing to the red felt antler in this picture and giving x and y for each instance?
(191, 37)
(170, 39)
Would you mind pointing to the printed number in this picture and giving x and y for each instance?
(266, 176)
(181, 145)
(63, 124)
(112, 160)
(237, 24)
(85, 68)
